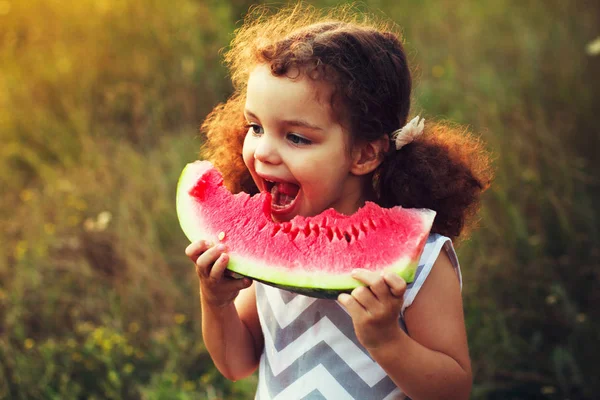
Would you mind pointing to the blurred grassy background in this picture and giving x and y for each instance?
(100, 102)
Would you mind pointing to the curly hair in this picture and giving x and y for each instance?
(363, 59)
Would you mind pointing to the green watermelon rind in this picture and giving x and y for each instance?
(316, 284)
(314, 280)
(332, 291)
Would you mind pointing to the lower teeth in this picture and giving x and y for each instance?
(284, 200)
(280, 200)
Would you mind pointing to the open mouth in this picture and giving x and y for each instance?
(283, 195)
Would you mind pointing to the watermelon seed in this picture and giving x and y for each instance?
(221, 235)
(347, 237)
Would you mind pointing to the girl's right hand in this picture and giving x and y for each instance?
(217, 288)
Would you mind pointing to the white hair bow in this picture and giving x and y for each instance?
(408, 132)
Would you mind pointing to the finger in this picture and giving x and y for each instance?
(236, 284)
(353, 307)
(381, 289)
(218, 268)
(374, 280)
(208, 258)
(365, 297)
(194, 249)
(233, 275)
(365, 276)
(396, 284)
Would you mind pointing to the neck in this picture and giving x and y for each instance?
(357, 193)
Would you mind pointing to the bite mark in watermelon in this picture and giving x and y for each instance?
(308, 255)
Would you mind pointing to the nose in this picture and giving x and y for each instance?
(266, 150)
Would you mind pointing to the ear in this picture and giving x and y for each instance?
(367, 156)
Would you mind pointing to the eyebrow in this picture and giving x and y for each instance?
(291, 122)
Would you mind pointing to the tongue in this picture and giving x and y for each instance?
(283, 194)
(288, 188)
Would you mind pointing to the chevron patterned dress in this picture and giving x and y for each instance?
(311, 351)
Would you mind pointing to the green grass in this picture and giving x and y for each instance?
(99, 108)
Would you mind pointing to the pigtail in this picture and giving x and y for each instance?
(224, 130)
(446, 170)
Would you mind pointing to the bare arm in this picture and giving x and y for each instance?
(232, 335)
(433, 362)
(230, 325)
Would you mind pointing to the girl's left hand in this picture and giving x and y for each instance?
(375, 308)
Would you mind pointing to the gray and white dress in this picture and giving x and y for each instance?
(311, 351)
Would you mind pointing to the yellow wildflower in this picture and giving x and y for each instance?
(128, 368)
(548, 390)
(107, 345)
(179, 319)
(134, 327)
(20, 249)
(26, 195)
(73, 220)
(437, 71)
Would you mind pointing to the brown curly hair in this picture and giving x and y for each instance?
(446, 169)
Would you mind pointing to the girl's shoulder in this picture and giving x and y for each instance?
(434, 245)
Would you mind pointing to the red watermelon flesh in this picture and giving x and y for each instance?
(309, 255)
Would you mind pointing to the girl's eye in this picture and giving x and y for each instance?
(256, 129)
(296, 139)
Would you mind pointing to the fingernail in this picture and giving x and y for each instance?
(221, 247)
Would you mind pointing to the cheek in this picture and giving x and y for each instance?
(248, 152)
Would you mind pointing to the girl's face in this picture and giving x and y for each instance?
(295, 149)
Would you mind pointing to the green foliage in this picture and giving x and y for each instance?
(99, 107)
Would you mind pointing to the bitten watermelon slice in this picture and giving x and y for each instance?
(309, 255)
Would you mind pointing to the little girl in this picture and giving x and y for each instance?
(319, 118)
